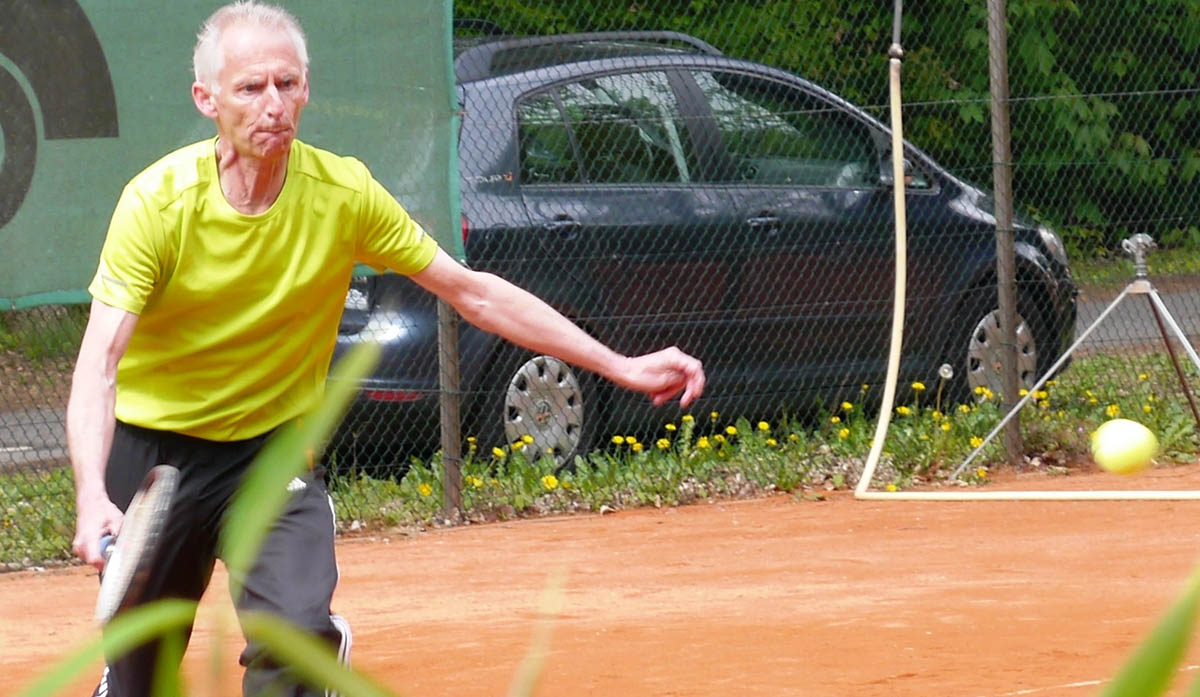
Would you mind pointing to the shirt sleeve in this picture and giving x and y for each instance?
(131, 261)
(388, 236)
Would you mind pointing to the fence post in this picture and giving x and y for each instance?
(1002, 186)
(450, 402)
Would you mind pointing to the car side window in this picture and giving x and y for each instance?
(622, 129)
(779, 135)
(546, 153)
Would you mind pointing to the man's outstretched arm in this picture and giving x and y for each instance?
(495, 305)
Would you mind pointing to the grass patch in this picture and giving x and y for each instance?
(37, 517)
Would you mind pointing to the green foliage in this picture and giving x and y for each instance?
(1149, 671)
(1103, 106)
(37, 517)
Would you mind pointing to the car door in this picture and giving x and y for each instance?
(609, 164)
(815, 290)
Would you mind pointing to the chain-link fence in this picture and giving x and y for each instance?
(717, 176)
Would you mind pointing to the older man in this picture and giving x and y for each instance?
(215, 312)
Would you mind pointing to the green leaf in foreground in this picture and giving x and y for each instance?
(263, 494)
(310, 658)
(1149, 671)
(125, 632)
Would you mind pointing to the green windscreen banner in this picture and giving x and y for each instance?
(94, 91)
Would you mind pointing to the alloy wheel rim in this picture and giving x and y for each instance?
(984, 354)
(543, 408)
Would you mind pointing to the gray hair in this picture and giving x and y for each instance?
(208, 58)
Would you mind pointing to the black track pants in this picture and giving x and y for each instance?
(295, 573)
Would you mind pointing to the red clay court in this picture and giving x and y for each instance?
(767, 597)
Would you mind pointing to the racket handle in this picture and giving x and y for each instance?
(106, 546)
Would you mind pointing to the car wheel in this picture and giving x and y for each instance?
(977, 352)
(545, 403)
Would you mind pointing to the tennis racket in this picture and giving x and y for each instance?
(127, 557)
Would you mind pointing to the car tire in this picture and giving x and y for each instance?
(974, 354)
(540, 398)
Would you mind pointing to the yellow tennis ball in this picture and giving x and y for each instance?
(1122, 446)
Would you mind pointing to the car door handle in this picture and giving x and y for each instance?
(567, 228)
(763, 222)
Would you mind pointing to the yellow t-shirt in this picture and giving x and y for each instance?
(238, 314)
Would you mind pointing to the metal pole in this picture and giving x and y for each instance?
(450, 380)
(1002, 176)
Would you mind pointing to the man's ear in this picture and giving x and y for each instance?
(202, 97)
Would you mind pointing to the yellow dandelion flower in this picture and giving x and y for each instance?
(637, 447)
(526, 438)
(474, 482)
(964, 409)
(618, 440)
(424, 489)
(565, 484)
(1093, 400)
(935, 415)
(918, 387)
(865, 387)
(981, 472)
(517, 446)
(1041, 394)
(550, 482)
(1146, 408)
(979, 389)
(663, 444)
(714, 415)
(630, 440)
(976, 441)
(793, 437)
(670, 427)
(1143, 377)
(771, 442)
(499, 453)
(835, 419)
(719, 438)
(946, 426)
(1112, 410)
(903, 410)
(1022, 392)
(471, 439)
(1151, 398)
(891, 487)
(844, 433)
(688, 418)
(764, 426)
(847, 407)
(731, 430)
(703, 444)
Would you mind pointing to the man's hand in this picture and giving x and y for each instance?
(96, 517)
(663, 375)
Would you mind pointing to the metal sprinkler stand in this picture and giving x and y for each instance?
(1137, 247)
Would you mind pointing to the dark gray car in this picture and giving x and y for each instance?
(658, 193)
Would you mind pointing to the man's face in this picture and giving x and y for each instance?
(262, 89)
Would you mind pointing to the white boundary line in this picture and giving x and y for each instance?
(1069, 685)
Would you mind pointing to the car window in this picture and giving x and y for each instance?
(621, 129)
(777, 134)
(546, 153)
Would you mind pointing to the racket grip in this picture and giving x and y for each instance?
(106, 546)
